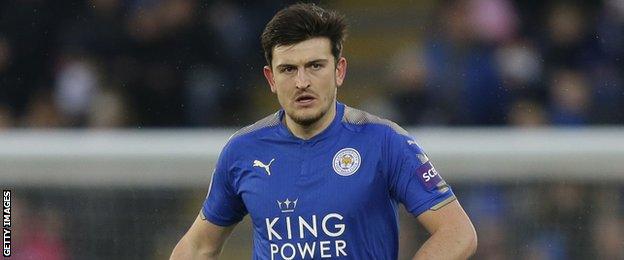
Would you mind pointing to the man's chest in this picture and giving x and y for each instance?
(311, 181)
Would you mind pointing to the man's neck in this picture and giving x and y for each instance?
(306, 132)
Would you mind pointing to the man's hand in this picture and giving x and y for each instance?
(452, 234)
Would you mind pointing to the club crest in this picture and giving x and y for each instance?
(346, 162)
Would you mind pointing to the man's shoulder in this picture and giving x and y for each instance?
(248, 133)
(360, 120)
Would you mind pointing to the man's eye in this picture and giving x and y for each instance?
(316, 66)
(288, 69)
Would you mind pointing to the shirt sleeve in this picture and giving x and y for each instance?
(413, 179)
(223, 206)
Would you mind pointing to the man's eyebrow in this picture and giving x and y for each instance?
(284, 65)
(309, 63)
(316, 61)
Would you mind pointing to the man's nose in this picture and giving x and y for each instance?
(302, 81)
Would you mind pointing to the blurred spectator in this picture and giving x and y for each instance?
(463, 86)
(38, 233)
(107, 110)
(42, 112)
(608, 237)
(160, 34)
(527, 113)
(565, 208)
(607, 227)
(566, 43)
(407, 76)
(519, 64)
(607, 61)
(76, 84)
(570, 98)
(494, 21)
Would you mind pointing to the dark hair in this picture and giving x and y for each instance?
(300, 22)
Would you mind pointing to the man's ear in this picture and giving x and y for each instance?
(268, 74)
(341, 71)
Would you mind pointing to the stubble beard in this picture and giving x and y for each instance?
(309, 119)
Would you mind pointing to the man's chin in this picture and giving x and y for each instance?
(306, 119)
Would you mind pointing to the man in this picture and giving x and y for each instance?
(320, 179)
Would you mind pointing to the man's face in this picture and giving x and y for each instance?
(305, 77)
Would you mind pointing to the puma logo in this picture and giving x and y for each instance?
(257, 163)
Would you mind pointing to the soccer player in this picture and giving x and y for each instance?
(320, 179)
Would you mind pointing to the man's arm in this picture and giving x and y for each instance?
(452, 233)
(203, 240)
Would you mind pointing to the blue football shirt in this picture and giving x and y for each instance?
(333, 196)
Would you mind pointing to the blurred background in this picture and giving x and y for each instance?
(112, 113)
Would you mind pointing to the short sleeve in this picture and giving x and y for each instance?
(413, 179)
(223, 206)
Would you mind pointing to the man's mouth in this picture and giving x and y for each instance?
(304, 99)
